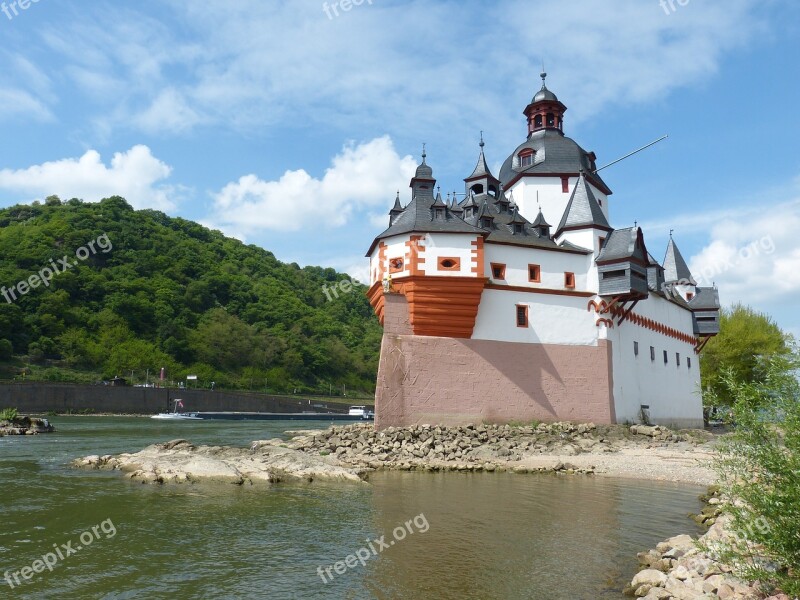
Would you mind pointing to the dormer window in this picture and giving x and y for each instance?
(526, 158)
(518, 228)
(486, 223)
(439, 213)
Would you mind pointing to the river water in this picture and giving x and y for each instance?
(459, 536)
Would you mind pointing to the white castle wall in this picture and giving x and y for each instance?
(447, 245)
(553, 265)
(671, 390)
(552, 200)
(561, 320)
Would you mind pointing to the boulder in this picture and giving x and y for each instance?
(650, 577)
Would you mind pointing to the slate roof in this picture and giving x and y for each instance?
(502, 229)
(555, 154)
(621, 244)
(481, 169)
(675, 267)
(706, 298)
(583, 209)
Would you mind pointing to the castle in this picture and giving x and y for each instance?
(492, 313)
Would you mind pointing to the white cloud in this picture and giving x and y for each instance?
(15, 103)
(136, 175)
(753, 260)
(170, 111)
(259, 63)
(357, 179)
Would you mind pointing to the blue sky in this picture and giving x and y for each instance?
(292, 128)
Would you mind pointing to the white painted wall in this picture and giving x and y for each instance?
(672, 391)
(553, 201)
(553, 265)
(395, 248)
(440, 245)
(552, 319)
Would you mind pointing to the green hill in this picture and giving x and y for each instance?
(151, 291)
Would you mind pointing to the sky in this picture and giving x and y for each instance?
(292, 125)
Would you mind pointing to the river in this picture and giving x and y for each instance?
(419, 535)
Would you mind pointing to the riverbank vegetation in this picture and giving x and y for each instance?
(759, 468)
(171, 293)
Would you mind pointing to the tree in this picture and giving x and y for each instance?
(759, 470)
(747, 340)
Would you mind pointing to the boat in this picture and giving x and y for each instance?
(177, 416)
(361, 412)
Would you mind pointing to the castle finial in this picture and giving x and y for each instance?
(670, 233)
(481, 144)
(543, 75)
(423, 153)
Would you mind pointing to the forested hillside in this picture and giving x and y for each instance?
(150, 291)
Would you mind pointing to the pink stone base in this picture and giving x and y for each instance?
(450, 381)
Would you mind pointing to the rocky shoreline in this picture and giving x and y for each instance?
(681, 568)
(181, 462)
(561, 447)
(25, 426)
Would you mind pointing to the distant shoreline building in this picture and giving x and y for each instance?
(522, 302)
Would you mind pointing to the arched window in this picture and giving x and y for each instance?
(477, 188)
(551, 120)
(537, 122)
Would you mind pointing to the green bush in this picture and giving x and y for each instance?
(759, 465)
(9, 414)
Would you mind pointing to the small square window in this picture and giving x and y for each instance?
(522, 315)
(569, 280)
(666, 357)
(677, 359)
(652, 353)
(688, 362)
(636, 348)
(498, 271)
(534, 274)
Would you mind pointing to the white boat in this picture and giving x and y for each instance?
(177, 416)
(362, 412)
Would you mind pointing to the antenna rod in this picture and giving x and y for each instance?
(632, 153)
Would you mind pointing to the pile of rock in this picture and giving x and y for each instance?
(25, 426)
(477, 447)
(679, 569)
(179, 461)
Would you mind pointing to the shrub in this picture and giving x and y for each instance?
(759, 467)
(9, 414)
